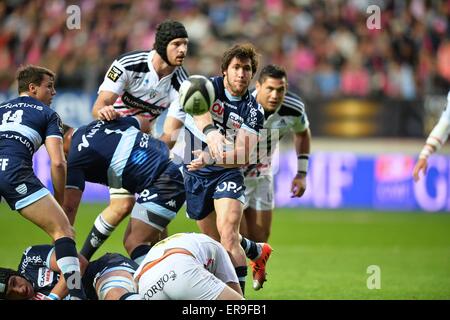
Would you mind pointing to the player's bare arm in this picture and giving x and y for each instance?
(214, 139)
(171, 131)
(103, 107)
(238, 157)
(58, 162)
(302, 143)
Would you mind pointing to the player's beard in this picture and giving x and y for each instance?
(234, 89)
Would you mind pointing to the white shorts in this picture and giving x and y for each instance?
(259, 193)
(119, 193)
(179, 277)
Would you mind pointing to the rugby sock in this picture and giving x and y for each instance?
(252, 250)
(131, 296)
(99, 233)
(139, 253)
(68, 263)
(241, 273)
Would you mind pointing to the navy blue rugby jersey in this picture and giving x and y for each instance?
(25, 123)
(117, 154)
(35, 267)
(229, 114)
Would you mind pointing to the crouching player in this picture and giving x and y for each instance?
(188, 266)
(39, 277)
(119, 155)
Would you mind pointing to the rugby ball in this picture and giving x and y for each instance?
(196, 95)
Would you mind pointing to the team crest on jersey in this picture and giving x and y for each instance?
(22, 189)
(45, 277)
(114, 73)
(152, 93)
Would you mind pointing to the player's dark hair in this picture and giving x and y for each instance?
(241, 51)
(31, 74)
(272, 71)
(5, 274)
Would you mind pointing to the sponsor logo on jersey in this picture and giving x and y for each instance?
(234, 121)
(45, 277)
(160, 284)
(22, 189)
(114, 73)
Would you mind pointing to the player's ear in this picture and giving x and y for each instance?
(32, 88)
(257, 86)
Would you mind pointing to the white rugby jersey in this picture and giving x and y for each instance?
(446, 113)
(290, 116)
(205, 250)
(133, 77)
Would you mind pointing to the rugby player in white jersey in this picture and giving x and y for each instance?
(283, 112)
(143, 84)
(188, 266)
(435, 141)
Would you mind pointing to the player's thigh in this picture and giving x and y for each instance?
(208, 226)
(229, 294)
(139, 232)
(48, 215)
(121, 201)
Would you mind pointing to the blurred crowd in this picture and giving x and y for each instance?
(326, 46)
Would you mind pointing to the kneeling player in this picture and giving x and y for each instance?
(188, 266)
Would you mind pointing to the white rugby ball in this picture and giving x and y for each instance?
(196, 95)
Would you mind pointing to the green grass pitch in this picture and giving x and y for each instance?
(318, 254)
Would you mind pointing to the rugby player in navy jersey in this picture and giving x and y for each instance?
(143, 84)
(26, 123)
(38, 277)
(117, 154)
(284, 112)
(215, 186)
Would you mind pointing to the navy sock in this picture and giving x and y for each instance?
(68, 263)
(241, 273)
(250, 248)
(99, 233)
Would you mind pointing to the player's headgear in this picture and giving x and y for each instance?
(166, 32)
(5, 274)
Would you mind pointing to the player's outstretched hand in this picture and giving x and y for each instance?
(215, 141)
(108, 113)
(298, 186)
(421, 165)
(202, 158)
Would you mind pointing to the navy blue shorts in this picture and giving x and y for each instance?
(165, 196)
(202, 190)
(106, 263)
(18, 184)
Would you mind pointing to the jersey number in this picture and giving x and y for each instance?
(15, 118)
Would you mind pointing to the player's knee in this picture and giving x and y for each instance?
(120, 208)
(61, 231)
